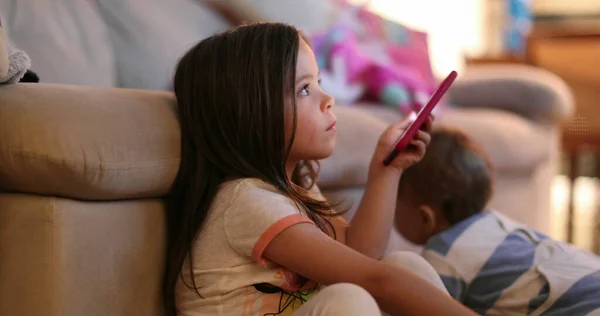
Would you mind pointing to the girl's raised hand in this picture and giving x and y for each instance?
(411, 154)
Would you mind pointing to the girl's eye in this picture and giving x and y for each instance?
(319, 82)
(304, 91)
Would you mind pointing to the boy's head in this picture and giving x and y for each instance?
(452, 182)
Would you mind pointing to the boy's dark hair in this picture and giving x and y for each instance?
(231, 92)
(455, 176)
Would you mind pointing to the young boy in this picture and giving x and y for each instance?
(488, 262)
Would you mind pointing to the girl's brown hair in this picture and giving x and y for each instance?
(231, 90)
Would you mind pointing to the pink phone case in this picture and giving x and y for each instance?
(422, 116)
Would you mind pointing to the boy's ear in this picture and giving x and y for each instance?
(429, 219)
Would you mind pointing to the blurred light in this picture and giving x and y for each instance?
(585, 201)
(560, 191)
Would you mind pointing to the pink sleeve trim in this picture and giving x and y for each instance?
(272, 232)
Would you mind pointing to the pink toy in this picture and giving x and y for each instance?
(365, 57)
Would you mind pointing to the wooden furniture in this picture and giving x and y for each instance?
(570, 48)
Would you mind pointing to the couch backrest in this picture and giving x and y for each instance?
(93, 143)
(108, 43)
(87, 143)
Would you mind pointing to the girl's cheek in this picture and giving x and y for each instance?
(309, 126)
(315, 99)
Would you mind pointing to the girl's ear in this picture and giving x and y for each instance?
(429, 220)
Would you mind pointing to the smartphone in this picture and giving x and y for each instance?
(420, 119)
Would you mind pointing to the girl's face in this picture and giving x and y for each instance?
(315, 129)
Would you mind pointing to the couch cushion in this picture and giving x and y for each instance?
(322, 12)
(67, 40)
(87, 142)
(106, 143)
(513, 142)
(532, 92)
(149, 39)
(64, 257)
(103, 143)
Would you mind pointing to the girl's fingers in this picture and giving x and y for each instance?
(423, 136)
(419, 146)
(428, 124)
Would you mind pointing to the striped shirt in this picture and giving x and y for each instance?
(496, 266)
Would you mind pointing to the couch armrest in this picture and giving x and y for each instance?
(525, 90)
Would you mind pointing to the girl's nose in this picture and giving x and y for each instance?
(328, 102)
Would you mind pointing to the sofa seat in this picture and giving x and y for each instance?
(521, 150)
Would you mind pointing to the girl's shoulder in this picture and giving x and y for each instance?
(257, 188)
(251, 192)
(245, 187)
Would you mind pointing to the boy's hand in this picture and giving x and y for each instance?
(412, 154)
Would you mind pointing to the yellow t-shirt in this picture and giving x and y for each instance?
(231, 275)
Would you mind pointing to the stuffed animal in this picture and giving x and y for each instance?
(14, 63)
(18, 65)
(30, 76)
(366, 58)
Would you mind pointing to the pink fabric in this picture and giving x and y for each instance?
(389, 59)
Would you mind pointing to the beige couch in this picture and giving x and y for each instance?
(83, 170)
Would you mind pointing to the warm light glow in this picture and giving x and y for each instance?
(560, 190)
(585, 202)
(585, 206)
(455, 28)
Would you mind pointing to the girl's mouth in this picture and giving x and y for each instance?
(332, 127)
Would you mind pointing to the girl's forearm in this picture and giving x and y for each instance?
(400, 292)
(370, 228)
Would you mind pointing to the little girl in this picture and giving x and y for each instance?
(249, 233)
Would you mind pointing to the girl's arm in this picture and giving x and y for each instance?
(370, 228)
(304, 249)
(372, 223)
